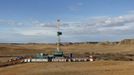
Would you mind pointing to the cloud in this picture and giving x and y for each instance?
(96, 25)
(10, 22)
(75, 7)
(131, 12)
(116, 25)
(40, 32)
(93, 28)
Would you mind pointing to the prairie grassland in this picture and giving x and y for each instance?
(78, 49)
(74, 68)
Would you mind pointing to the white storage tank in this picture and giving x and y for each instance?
(39, 60)
(27, 60)
(91, 58)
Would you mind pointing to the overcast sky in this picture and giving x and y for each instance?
(23, 21)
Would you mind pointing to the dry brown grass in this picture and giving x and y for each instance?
(79, 49)
(13, 50)
(75, 68)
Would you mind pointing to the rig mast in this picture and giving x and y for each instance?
(58, 52)
(59, 33)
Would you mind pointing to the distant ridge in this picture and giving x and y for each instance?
(122, 42)
(127, 42)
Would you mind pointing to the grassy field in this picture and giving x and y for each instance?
(75, 68)
(78, 49)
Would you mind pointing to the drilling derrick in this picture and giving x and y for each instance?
(58, 52)
(59, 33)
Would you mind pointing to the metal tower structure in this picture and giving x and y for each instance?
(59, 33)
(58, 52)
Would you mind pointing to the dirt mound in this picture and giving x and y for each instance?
(127, 42)
(107, 43)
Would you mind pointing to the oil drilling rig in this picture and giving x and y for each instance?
(58, 52)
(57, 56)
